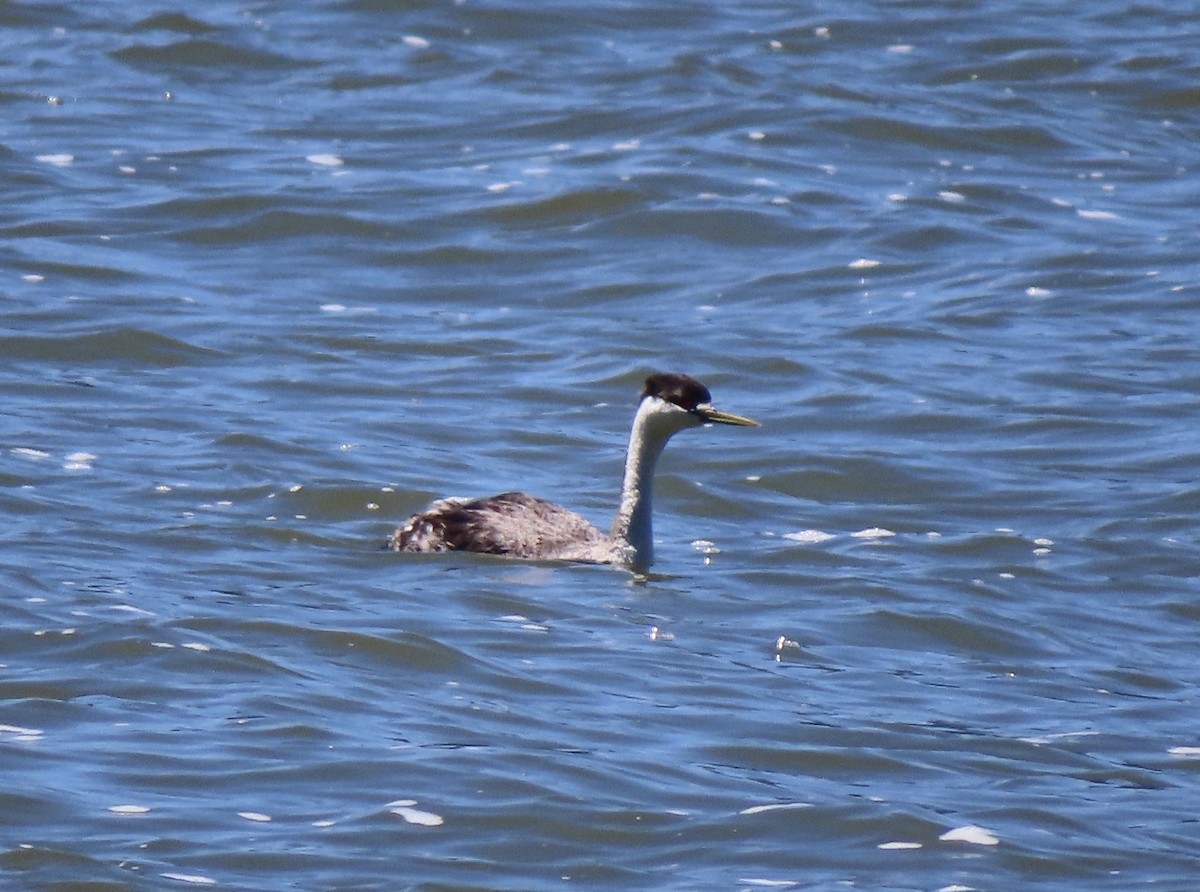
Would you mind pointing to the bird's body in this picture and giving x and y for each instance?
(512, 524)
(522, 526)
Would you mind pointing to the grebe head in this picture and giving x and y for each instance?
(678, 402)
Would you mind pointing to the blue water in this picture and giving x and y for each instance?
(274, 276)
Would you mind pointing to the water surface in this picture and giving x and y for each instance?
(274, 277)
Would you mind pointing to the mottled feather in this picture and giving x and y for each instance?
(512, 524)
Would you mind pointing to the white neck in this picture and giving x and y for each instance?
(653, 425)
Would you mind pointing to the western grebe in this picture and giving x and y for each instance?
(521, 526)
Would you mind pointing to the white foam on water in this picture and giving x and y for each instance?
(128, 809)
(58, 160)
(809, 537)
(324, 160)
(23, 734)
(971, 833)
(774, 806)
(899, 846)
(417, 816)
(194, 878)
(873, 533)
(129, 608)
(31, 454)
(254, 816)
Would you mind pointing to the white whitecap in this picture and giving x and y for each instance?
(26, 452)
(899, 846)
(324, 159)
(254, 816)
(27, 733)
(417, 43)
(809, 537)
(774, 806)
(863, 263)
(1097, 215)
(58, 160)
(873, 533)
(194, 878)
(1189, 751)
(130, 609)
(417, 816)
(971, 833)
(128, 809)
